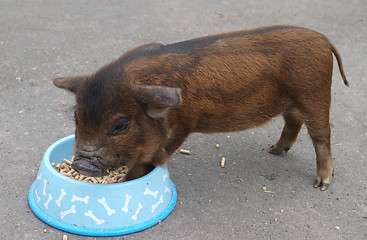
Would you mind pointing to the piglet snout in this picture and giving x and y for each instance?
(88, 166)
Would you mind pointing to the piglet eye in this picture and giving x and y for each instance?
(120, 126)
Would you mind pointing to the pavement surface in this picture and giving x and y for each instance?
(43, 39)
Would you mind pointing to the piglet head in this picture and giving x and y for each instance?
(118, 123)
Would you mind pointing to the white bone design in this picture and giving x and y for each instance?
(39, 176)
(127, 200)
(44, 187)
(154, 207)
(90, 214)
(80, 199)
(104, 203)
(149, 192)
(48, 201)
(165, 176)
(62, 195)
(135, 216)
(38, 198)
(166, 189)
(64, 213)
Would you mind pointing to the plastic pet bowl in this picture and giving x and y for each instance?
(98, 209)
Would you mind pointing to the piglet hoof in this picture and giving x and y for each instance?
(323, 186)
(316, 183)
(273, 150)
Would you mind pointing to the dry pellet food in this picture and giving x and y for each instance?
(114, 176)
(184, 151)
(222, 162)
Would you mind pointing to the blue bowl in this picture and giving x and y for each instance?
(99, 209)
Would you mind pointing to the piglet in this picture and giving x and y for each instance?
(137, 110)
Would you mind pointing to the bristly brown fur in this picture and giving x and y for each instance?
(225, 82)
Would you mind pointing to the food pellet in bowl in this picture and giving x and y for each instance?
(115, 176)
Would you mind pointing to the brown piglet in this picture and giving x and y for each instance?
(137, 110)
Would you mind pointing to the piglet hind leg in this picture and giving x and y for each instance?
(292, 126)
(319, 131)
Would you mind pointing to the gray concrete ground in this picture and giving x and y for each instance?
(42, 39)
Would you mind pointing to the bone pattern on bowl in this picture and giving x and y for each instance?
(68, 205)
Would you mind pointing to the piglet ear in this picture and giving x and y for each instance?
(71, 84)
(158, 99)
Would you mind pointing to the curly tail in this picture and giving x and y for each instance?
(340, 63)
